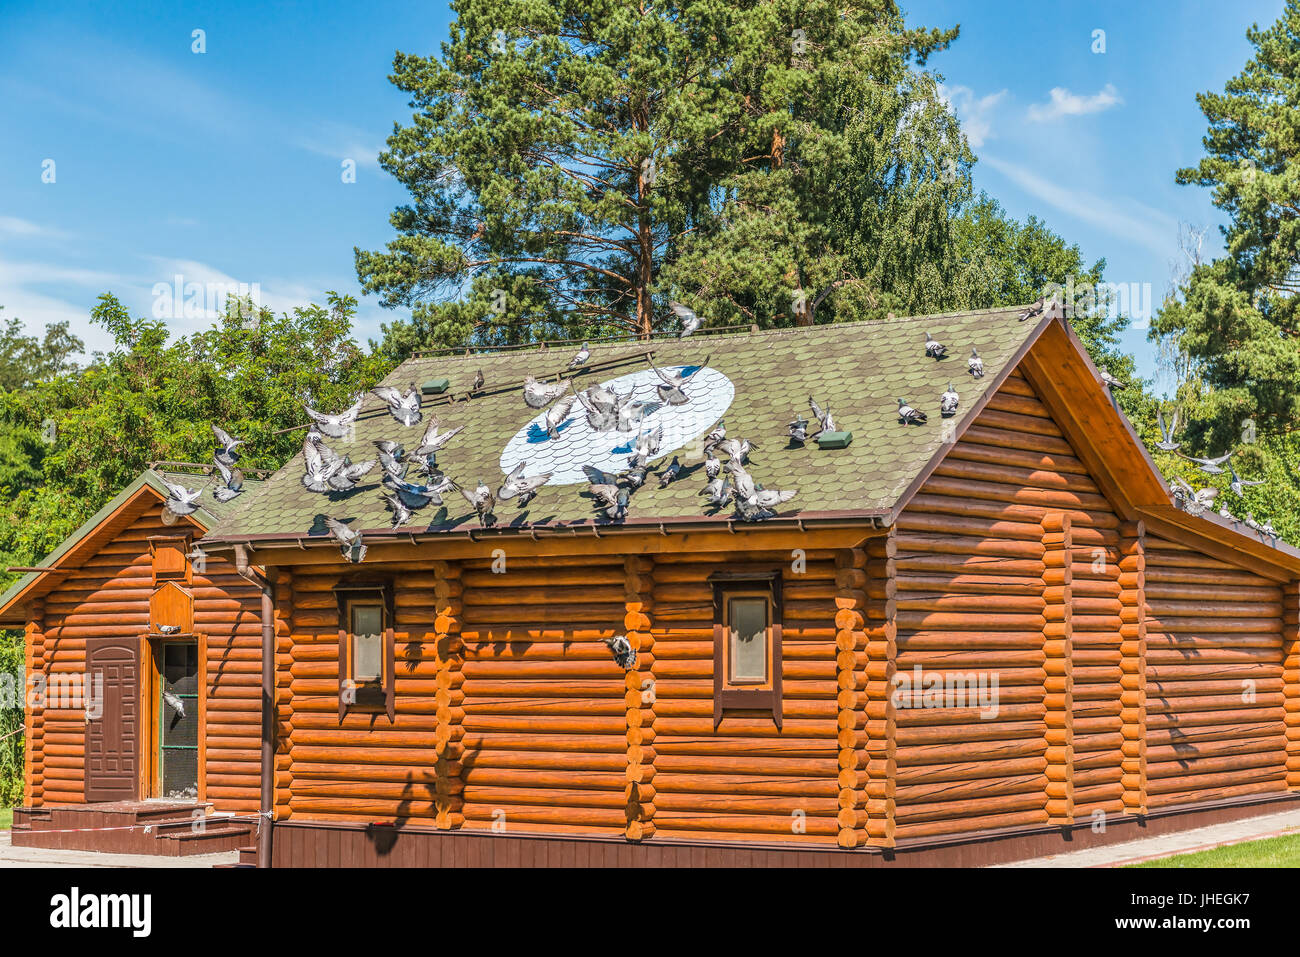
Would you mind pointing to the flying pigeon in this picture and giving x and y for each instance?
(433, 440)
(580, 357)
(349, 540)
(622, 650)
(1209, 466)
(601, 407)
(1109, 379)
(673, 389)
(716, 436)
(605, 494)
(405, 408)
(647, 443)
(596, 477)
(742, 480)
(517, 484)
(401, 512)
(975, 365)
(823, 416)
(482, 500)
(225, 453)
(798, 430)
(1239, 486)
(934, 348)
(712, 464)
(556, 415)
(180, 500)
(948, 402)
(630, 416)
(718, 491)
(232, 483)
(1192, 501)
(1167, 442)
(390, 457)
(671, 473)
(414, 496)
(771, 498)
(174, 703)
(538, 395)
(348, 475)
(322, 462)
(690, 321)
(737, 450)
(478, 380)
(910, 416)
(336, 426)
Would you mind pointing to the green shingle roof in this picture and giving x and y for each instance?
(859, 369)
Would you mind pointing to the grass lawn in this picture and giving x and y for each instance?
(6, 818)
(1281, 851)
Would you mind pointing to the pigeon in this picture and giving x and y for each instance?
(1239, 486)
(482, 500)
(401, 511)
(934, 348)
(232, 483)
(748, 509)
(349, 540)
(1250, 521)
(948, 402)
(975, 365)
(636, 476)
(1192, 501)
(718, 491)
(1209, 466)
(390, 457)
(618, 510)
(712, 464)
(417, 496)
(556, 415)
(1109, 379)
(169, 629)
(1167, 442)
(622, 650)
(605, 493)
(580, 357)
(1035, 310)
(322, 462)
(798, 430)
(348, 475)
(478, 380)
(596, 477)
(631, 415)
(771, 498)
(823, 416)
(517, 484)
(181, 500)
(671, 473)
(716, 436)
(601, 407)
(225, 453)
(673, 389)
(647, 444)
(1224, 513)
(405, 408)
(336, 426)
(690, 321)
(174, 703)
(743, 482)
(433, 440)
(538, 395)
(910, 416)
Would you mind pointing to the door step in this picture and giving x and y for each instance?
(131, 827)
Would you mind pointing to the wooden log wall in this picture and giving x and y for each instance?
(34, 752)
(450, 734)
(639, 697)
(1216, 718)
(1291, 680)
(878, 741)
(1133, 668)
(108, 595)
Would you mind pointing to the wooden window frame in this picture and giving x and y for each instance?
(727, 695)
(384, 700)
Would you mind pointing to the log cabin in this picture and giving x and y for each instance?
(981, 637)
(143, 663)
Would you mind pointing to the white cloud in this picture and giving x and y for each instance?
(1129, 220)
(339, 141)
(12, 226)
(1064, 103)
(975, 113)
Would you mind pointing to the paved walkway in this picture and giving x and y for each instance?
(1183, 842)
(11, 856)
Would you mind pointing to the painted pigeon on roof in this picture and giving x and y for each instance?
(798, 430)
(401, 512)
(1167, 434)
(181, 500)
(404, 407)
(174, 703)
(336, 426)
(1109, 379)
(478, 380)
(580, 357)
(823, 416)
(712, 464)
(525, 487)
(671, 473)
(349, 540)
(934, 348)
(232, 483)
(718, 490)
(482, 501)
(225, 453)
(538, 395)
(909, 415)
(1209, 466)
(556, 415)
(622, 650)
(1239, 486)
(690, 321)
(948, 402)
(975, 365)
(350, 474)
(321, 461)
(433, 440)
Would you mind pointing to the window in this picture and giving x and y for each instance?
(170, 558)
(366, 679)
(746, 643)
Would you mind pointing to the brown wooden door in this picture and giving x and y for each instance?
(113, 725)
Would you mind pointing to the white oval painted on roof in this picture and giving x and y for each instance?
(577, 444)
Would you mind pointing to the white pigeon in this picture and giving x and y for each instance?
(538, 395)
(975, 365)
(349, 540)
(580, 357)
(336, 426)
(404, 407)
(690, 321)
(948, 402)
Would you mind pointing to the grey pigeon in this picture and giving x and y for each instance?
(225, 453)
(909, 415)
(673, 389)
(798, 430)
(631, 414)
(823, 416)
(1109, 379)
(174, 703)
(635, 476)
(1239, 486)
(771, 498)
(737, 449)
(596, 477)
(538, 395)
(321, 461)
(605, 494)
(718, 491)
(622, 650)
(390, 457)
(349, 540)
(181, 500)
(1035, 310)
(1209, 466)
(671, 473)
(712, 464)
(349, 474)
(948, 402)
(743, 482)
(478, 380)
(690, 321)
(416, 496)
(1192, 501)
(404, 407)
(336, 426)
(618, 510)
(601, 408)
(580, 357)
(525, 487)
(975, 365)
(434, 440)
(1167, 434)
(716, 436)
(749, 510)
(934, 348)
(169, 629)
(401, 512)
(556, 415)
(648, 443)
(232, 483)
(1224, 513)
(482, 501)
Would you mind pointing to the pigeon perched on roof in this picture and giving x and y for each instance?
(596, 477)
(605, 493)
(348, 475)
(690, 321)
(1035, 310)
(934, 348)
(622, 650)
(712, 464)
(1109, 379)
(1192, 501)
(1224, 513)
(556, 415)
(823, 416)
(225, 453)
(716, 435)
(618, 511)
(174, 703)
(1209, 466)
(671, 473)
(635, 476)
(181, 500)
(232, 483)
(478, 380)
(798, 430)
(482, 500)
(580, 357)
(748, 509)
(948, 402)
(538, 395)
(673, 388)
(718, 490)
(737, 449)
(401, 511)
(975, 365)
(434, 440)
(391, 455)
(525, 487)
(321, 461)
(909, 415)
(336, 426)
(1239, 486)
(404, 407)
(1167, 442)
(348, 539)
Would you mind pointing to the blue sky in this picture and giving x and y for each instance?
(226, 166)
